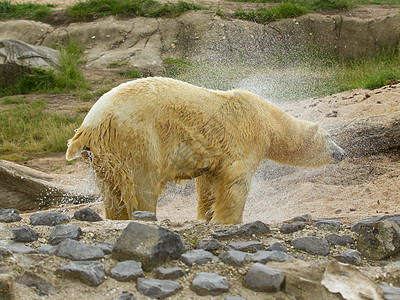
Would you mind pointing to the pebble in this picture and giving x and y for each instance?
(210, 284)
(312, 245)
(264, 279)
(125, 295)
(87, 214)
(266, 256)
(198, 257)
(170, 273)
(17, 248)
(78, 251)
(144, 216)
(63, 232)
(156, 288)
(248, 246)
(24, 234)
(277, 247)
(10, 217)
(90, 272)
(105, 246)
(349, 256)
(49, 218)
(302, 218)
(233, 257)
(47, 249)
(209, 244)
(292, 227)
(127, 270)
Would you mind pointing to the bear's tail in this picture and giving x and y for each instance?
(76, 145)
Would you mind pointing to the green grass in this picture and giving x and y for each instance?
(326, 4)
(68, 78)
(93, 9)
(29, 11)
(8, 101)
(28, 128)
(131, 73)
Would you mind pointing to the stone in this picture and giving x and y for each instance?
(248, 246)
(267, 256)
(234, 298)
(209, 284)
(357, 225)
(49, 218)
(170, 273)
(63, 232)
(144, 216)
(264, 279)
(78, 251)
(156, 288)
(10, 218)
(6, 287)
(127, 270)
(292, 227)
(125, 295)
(87, 214)
(90, 272)
(4, 211)
(349, 256)
(339, 239)
(331, 225)
(105, 246)
(47, 249)
(390, 292)
(198, 257)
(380, 240)
(312, 245)
(151, 245)
(303, 218)
(256, 227)
(17, 248)
(40, 284)
(24, 234)
(277, 247)
(233, 257)
(209, 244)
(18, 58)
(225, 233)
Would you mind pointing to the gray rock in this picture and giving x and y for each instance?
(144, 216)
(156, 288)
(17, 248)
(78, 251)
(209, 244)
(277, 247)
(233, 257)
(292, 227)
(125, 295)
(150, 245)
(47, 249)
(225, 233)
(256, 228)
(339, 239)
(264, 279)
(170, 273)
(198, 257)
(127, 270)
(379, 240)
(17, 58)
(4, 252)
(234, 298)
(49, 218)
(40, 284)
(312, 245)
(331, 225)
(248, 246)
(24, 234)
(349, 256)
(357, 225)
(210, 284)
(90, 272)
(390, 292)
(302, 218)
(63, 232)
(105, 246)
(10, 217)
(266, 256)
(4, 211)
(87, 214)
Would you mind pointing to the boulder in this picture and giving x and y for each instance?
(17, 58)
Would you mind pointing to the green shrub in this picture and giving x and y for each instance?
(23, 10)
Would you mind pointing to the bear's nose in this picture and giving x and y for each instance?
(339, 155)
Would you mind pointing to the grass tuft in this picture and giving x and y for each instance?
(29, 11)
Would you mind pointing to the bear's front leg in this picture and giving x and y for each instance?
(206, 192)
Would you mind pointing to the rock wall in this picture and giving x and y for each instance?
(204, 36)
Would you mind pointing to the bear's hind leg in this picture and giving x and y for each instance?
(206, 192)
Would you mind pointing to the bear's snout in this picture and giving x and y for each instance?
(338, 153)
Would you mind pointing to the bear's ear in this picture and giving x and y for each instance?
(312, 130)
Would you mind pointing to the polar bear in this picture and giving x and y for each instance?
(145, 133)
